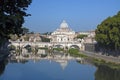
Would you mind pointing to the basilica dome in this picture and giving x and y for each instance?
(64, 24)
(63, 33)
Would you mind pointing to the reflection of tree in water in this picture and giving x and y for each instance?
(5, 62)
(107, 73)
(2, 66)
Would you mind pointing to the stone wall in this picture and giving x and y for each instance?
(90, 47)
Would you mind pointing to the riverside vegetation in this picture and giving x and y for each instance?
(108, 35)
(76, 53)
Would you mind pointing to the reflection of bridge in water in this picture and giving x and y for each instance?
(61, 58)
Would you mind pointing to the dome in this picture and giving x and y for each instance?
(64, 24)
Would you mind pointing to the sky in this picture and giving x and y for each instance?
(81, 15)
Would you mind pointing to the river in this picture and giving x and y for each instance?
(54, 67)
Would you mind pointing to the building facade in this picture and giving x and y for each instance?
(63, 37)
(63, 34)
(31, 37)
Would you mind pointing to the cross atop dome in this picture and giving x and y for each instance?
(64, 24)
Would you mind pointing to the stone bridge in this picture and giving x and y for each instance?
(49, 44)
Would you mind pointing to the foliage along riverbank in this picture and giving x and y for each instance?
(108, 37)
(99, 62)
(72, 51)
(95, 61)
(76, 53)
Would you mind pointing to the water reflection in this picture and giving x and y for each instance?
(47, 66)
(101, 73)
(2, 66)
(106, 73)
(59, 57)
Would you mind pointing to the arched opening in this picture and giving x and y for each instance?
(58, 46)
(74, 46)
(28, 48)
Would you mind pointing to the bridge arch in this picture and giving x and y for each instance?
(58, 46)
(27, 46)
(74, 46)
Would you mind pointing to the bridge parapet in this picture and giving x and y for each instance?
(46, 44)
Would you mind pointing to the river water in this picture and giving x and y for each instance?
(57, 67)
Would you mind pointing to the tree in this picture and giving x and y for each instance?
(12, 13)
(47, 33)
(14, 37)
(104, 72)
(44, 39)
(108, 33)
(25, 30)
(81, 36)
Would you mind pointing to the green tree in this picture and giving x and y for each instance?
(108, 33)
(45, 39)
(12, 13)
(81, 36)
(25, 30)
(106, 73)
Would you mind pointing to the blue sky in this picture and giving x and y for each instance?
(81, 15)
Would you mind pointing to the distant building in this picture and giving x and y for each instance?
(63, 33)
(31, 37)
(89, 33)
(83, 32)
(62, 37)
(35, 38)
(90, 36)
